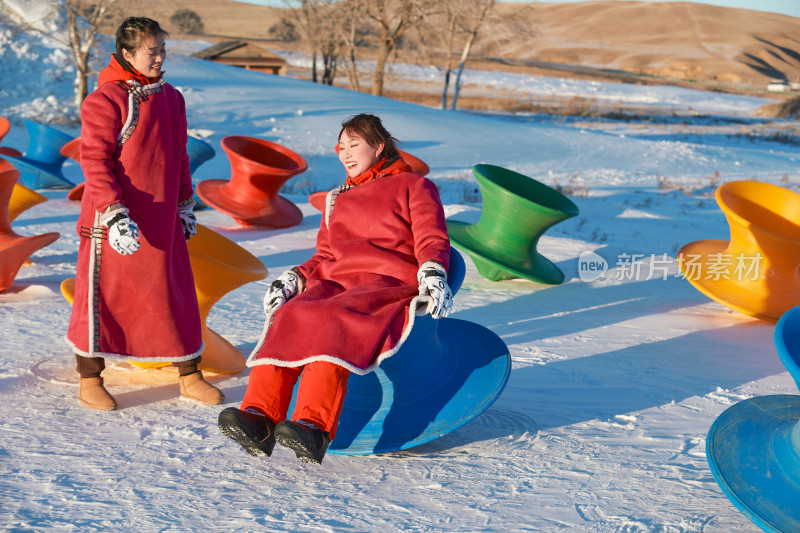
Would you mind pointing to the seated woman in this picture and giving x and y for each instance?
(382, 252)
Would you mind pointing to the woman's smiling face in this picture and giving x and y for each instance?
(356, 154)
(149, 57)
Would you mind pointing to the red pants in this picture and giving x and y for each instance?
(320, 395)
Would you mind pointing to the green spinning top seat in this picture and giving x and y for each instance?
(517, 210)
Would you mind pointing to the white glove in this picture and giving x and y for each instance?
(188, 220)
(432, 279)
(287, 286)
(123, 233)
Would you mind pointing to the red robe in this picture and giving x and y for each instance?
(140, 307)
(361, 290)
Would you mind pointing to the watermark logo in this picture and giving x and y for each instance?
(591, 266)
(693, 267)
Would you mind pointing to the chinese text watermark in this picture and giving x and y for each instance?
(693, 267)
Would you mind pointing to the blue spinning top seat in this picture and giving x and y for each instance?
(199, 152)
(753, 448)
(40, 166)
(446, 373)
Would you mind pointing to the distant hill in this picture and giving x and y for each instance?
(683, 40)
(221, 18)
(677, 39)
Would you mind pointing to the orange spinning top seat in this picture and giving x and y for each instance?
(259, 168)
(756, 272)
(219, 266)
(15, 249)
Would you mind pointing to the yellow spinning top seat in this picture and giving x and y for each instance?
(756, 271)
(219, 266)
(22, 198)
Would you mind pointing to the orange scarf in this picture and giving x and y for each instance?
(116, 72)
(382, 168)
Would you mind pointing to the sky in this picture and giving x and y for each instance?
(785, 7)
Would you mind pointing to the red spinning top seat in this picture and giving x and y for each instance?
(73, 150)
(5, 126)
(259, 168)
(418, 166)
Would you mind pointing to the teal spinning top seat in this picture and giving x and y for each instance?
(40, 166)
(199, 152)
(517, 210)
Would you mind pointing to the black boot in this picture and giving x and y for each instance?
(254, 431)
(308, 442)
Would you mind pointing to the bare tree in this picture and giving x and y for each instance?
(315, 23)
(84, 18)
(484, 7)
(330, 60)
(394, 18)
(453, 23)
(452, 11)
(346, 13)
(75, 24)
(285, 31)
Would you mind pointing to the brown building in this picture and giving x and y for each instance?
(246, 55)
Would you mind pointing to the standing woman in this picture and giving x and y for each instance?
(382, 251)
(134, 292)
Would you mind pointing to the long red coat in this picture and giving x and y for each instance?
(140, 307)
(361, 284)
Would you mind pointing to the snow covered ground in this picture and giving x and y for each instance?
(614, 383)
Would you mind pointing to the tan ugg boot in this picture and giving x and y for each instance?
(196, 388)
(92, 394)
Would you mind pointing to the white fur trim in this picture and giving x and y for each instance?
(94, 242)
(137, 93)
(154, 359)
(434, 265)
(418, 307)
(330, 199)
(129, 118)
(108, 214)
(188, 205)
(301, 280)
